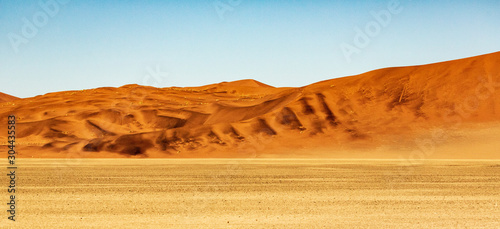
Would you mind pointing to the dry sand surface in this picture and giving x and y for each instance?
(7, 98)
(257, 193)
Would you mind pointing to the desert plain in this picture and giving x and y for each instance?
(257, 193)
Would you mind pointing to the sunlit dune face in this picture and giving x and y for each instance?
(391, 107)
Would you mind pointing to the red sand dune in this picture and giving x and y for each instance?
(7, 98)
(389, 107)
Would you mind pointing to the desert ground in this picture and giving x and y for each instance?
(256, 193)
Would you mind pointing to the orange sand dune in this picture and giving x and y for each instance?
(387, 110)
(7, 98)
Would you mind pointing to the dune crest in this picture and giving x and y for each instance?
(248, 118)
(7, 98)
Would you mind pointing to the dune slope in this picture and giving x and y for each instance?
(248, 118)
(7, 98)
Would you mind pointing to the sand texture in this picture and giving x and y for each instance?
(7, 98)
(259, 193)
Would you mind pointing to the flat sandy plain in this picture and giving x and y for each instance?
(255, 193)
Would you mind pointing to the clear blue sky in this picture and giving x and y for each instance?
(89, 44)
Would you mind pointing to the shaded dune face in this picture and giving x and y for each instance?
(228, 119)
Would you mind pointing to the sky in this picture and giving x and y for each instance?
(51, 45)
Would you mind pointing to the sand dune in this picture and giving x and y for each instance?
(384, 109)
(7, 98)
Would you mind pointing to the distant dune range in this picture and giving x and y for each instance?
(437, 106)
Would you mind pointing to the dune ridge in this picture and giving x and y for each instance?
(7, 98)
(248, 118)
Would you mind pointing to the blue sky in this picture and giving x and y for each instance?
(88, 44)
